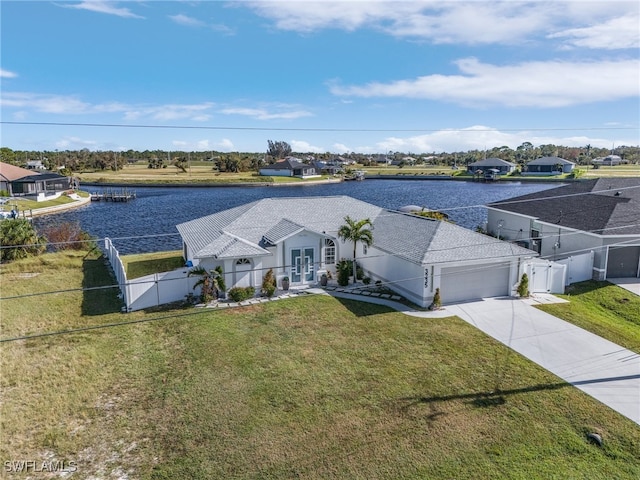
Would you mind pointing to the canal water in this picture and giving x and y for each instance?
(148, 223)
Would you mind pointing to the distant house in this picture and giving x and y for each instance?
(289, 167)
(549, 166)
(297, 238)
(326, 169)
(609, 160)
(600, 216)
(502, 166)
(35, 165)
(20, 182)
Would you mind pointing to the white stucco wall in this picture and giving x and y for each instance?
(271, 172)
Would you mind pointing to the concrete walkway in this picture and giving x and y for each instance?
(630, 284)
(598, 367)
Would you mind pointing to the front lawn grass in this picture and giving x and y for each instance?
(311, 387)
(143, 264)
(602, 308)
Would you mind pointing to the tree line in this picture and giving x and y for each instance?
(69, 161)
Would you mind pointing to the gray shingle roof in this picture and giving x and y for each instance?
(589, 205)
(550, 161)
(416, 239)
(490, 162)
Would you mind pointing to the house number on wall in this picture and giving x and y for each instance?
(426, 278)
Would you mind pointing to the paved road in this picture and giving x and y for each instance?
(598, 367)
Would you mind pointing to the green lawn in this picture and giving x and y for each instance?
(143, 264)
(604, 309)
(311, 387)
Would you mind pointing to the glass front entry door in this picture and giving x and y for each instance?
(302, 265)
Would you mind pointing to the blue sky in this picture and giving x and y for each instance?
(359, 76)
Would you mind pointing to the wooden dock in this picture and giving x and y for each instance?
(113, 196)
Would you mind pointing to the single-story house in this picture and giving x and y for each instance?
(289, 167)
(35, 165)
(325, 168)
(548, 166)
(21, 182)
(600, 215)
(298, 238)
(609, 160)
(502, 166)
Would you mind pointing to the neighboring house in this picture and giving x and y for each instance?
(609, 160)
(502, 166)
(20, 182)
(601, 215)
(326, 169)
(35, 165)
(297, 237)
(289, 167)
(549, 166)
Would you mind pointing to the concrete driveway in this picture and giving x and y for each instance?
(631, 284)
(598, 367)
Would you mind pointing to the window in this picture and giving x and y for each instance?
(329, 252)
(243, 261)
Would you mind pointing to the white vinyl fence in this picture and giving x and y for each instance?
(579, 267)
(544, 276)
(150, 290)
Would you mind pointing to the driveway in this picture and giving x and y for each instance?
(598, 367)
(631, 284)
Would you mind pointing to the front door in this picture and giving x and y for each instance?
(302, 265)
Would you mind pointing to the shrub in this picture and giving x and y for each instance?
(238, 294)
(68, 236)
(268, 284)
(523, 286)
(437, 301)
(366, 280)
(344, 270)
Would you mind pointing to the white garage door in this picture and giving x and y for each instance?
(473, 282)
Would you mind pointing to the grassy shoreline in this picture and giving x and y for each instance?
(312, 387)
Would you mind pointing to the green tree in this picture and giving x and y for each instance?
(278, 150)
(211, 281)
(18, 239)
(360, 231)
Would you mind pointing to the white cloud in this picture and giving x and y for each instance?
(226, 145)
(305, 147)
(101, 6)
(616, 33)
(187, 21)
(72, 105)
(75, 143)
(7, 74)
(341, 148)
(534, 84)
(480, 137)
(262, 114)
(440, 22)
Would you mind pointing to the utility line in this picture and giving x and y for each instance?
(309, 129)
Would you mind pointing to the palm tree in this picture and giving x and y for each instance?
(212, 282)
(356, 231)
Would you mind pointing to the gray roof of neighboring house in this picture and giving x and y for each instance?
(288, 163)
(605, 206)
(550, 161)
(490, 162)
(249, 228)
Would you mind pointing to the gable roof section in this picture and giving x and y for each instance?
(244, 230)
(281, 230)
(11, 173)
(605, 206)
(490, 162)
(288, 163)
(427, 241)
(550, 161)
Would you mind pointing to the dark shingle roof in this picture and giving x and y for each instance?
(550, 161)
(492, 162)
(606, 206)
